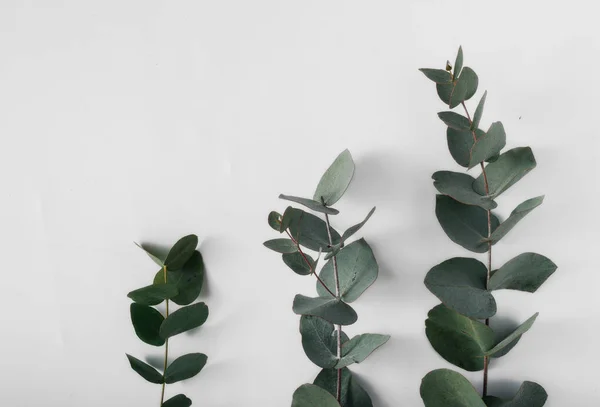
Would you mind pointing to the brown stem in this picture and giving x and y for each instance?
(162, 394)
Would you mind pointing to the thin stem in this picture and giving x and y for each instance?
(162, 394)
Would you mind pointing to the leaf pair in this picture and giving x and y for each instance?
(182, 368)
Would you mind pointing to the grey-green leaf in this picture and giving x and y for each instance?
(318, 339)
(458, 62)
(153, 294)
(309, 395)
(460, 283)
(488, 145)
(352, 394)
(311, 231)
(359, 348)
(185, 367)
(281, 245)
(298, 264)
(526, 272)
(455, 120)
(310, 204)
(184, 319)
(447, 388)
(530, 394)
(181, 252)
(437, 75)
(460, 187)
(479, 112)
(524, 327)
(146, 322)
(464, 88)
(179, 400)
(353, 229)
(516, 215)
(145, 370)
(155, 257)
(509, 168)
(274, 220)
(357, 270)
(460, 143)
(336, 179)
(331, 309)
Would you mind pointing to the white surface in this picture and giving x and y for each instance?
(146, 120)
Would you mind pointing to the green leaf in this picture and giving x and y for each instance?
(179, 400)
(352, 394)
(460, 340)
(460, 283)
(311, 231)
(310, 204)
(319, 341)
(455, 120)
(458, 62)
(488, 145)
(155, 258)
(309, 395)
(526, 272)
(460, 187)
(509, 168)
(446, 388)
(331, 309)
(145, 370)
(336, 179)
(185, 367)
(274, 220)
(516, 215)
(437, 75)
(146, 322)
(357, 270)
(479, 112)
(153, 294)
(464, 88)
(460, 143)
(359, 348)
(189, 279)
(530, 394)
(281, 245)
(181, 252)
(296, 262)
(465, 225)
(353, 229)
(524, 327)
(444, 91)
(184, 319)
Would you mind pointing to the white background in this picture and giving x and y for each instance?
(148, 120)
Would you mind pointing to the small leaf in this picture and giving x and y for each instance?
(179, 400)
(353, 229)
(359, 348)
(153, 294)
(296, 262)
(460, 187)
(437, 75)
(311, 231)
(530, 394)
(509, 168)
(274, 220)
(181, 252)
(455, 120)
(185, 367)
(526, 272)
(458, 63)
(145, 370)
(155, 258)
(460, 143)
(460, 283)
(310, 204)
(524, 327)
(318, 340)
(515, 217)
(488, 145)
(281, 245)
(446, 388)
(184, 319)
(336, 179)
(479, 112)
(352, 394)
(146, 322)
(464, 88)
(309, 395)
(330, 309)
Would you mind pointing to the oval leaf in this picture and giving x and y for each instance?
(145, 370)
(330, 309)
(153, 294)
(274, 220)
(311, 231)
(515, 217)
(181, 252)
(455, 120)
(146, 322)
(509, 168)
(185, 367)
(489, 145)
(352, 394)
(310, 204)
(526, 272)
(336, 179)
(298, 264)
(184, 319)
(464, 88)
(460, 187)
(446, 388)
(530, 394)
(189, 279)
(179, 400)
(318, 340)
(359, 348)
(460, 143)
(281, 245)
(309, 395)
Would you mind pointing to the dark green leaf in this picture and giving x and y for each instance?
(446, 388)
(479, 112)
(352, 394)
(319, 341)
(524, 327)
(357, 270)
(488, 145)
(460, 187)
(189, 279)
(509, 168)
(526, 272)
(331, 309)
(185, 367)
(310, 204)
(464, 88)
(455, 120)
(336, 179)
(460, 340)
(460, 283)
(530, 394)
(181, 252)
(466, 225)
(145, 370)
(458, 62)
(309, 395)
(155, 258)
(460, 143)
(281, 245)
(296, 262)
(275, 221)
(353, 229)
(311, 231)
(146, 322)
(153, 294)
(437, 75)
(184, 319)
(179, 400)
(359, 348)
(444, 91)
(516, 215)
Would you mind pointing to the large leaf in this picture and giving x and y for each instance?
(460, 187)
(352, 394)
(189, 279)
(146, 322)
(508, 340)
(461, 284)
(311, 231)
(460, 340)
(310, 204)
(153, 294)
(184, 319)
(466, 225)
(357, 270)
(479, 112)
(526, 272)
(319, 341)
(336, 179)
(355, 228)
(281, 245)
(331, 309)
(185, 367)
(455, 120)
(145, 370)
(155, 257)
(516, 215)
(460, 143)
(530, 394)
(488, 145)
(179, 400)
(298, 264)
(446, 388)
(359, 348)
(181, 252)
(437, 75)
(509, 168)
(309, 395)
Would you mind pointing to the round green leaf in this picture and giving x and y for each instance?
(145, 370)
(184, 319)
(331, 309)
(153, 294)
(530, 394)
(526, 272)
(146, 322)
(185, 367)
(460, 143)
(281, 245)
(352, 394)
(179, 400)
(319, 341)
(296, 262)
(460, 187)
(274, 220)
(311, 231)
(309, 395)
(336, 179)
(446, 388)
(489, 145)
(464, 87)
(181, 252)
(189, 279)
